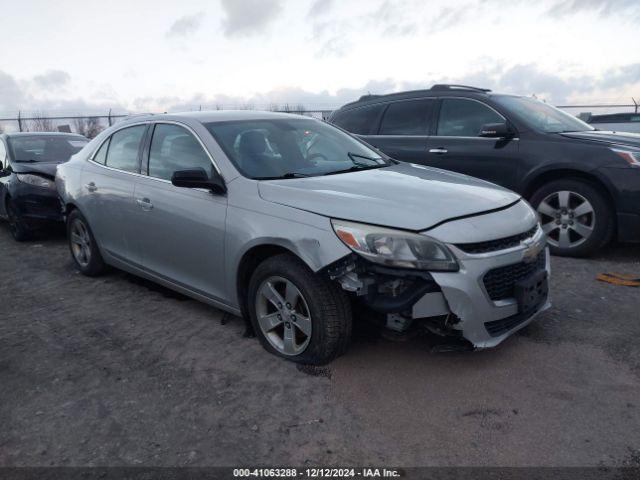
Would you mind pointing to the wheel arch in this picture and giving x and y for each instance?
(249, 261)
(547, 176)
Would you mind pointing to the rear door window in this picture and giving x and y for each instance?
(409, 117)
(361, 121)
(174, 148)
(464, 118)
(124, 147)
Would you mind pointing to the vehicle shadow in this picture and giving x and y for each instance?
(618, 252)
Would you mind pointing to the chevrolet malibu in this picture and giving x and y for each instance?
(290, 223)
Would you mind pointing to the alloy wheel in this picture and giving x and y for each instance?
(567, 218)
(283, 315)
(80, 242)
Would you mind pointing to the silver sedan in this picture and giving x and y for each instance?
(290, 223)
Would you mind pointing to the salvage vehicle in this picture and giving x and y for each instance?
(28, 161)
(584, 183)
(289, 222)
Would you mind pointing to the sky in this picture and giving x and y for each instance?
(72, 56)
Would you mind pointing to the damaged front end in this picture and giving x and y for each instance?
(400, 300)
(476, 295)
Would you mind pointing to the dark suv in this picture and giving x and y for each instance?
(584, 183)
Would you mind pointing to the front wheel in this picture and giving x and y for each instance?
(18, 228)
(575, 215)
(83, 246)
(296, 313)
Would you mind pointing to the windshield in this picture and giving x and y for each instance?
(289, 148)
(542, 116)
(45, 148)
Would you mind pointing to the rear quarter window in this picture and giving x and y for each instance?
(361, 120)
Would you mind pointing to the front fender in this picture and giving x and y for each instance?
(308, 236)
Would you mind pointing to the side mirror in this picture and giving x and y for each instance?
(496, 130)
(198, 178)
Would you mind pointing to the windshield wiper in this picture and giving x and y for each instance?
(356, 168)
(28, 160)
(285, 175)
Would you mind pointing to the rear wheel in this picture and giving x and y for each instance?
(297, 314)
(18, 228)
(575, 215)
(83, 247)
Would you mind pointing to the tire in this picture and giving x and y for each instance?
(83, 247)
(575, 215)
(18, 228)
(323, 306)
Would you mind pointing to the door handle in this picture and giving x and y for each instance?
(91, 187)
(145, 204)
(438, 150)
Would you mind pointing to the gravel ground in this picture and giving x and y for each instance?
(118, 371)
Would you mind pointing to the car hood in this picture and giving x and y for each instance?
(406, 196)
(46, 168)
(611, 138)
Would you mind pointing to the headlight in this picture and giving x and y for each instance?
(36, 180)
(631, 156)
(395, 248)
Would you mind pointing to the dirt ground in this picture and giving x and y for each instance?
(117, 371)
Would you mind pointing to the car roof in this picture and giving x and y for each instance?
(439, 90)
(214, 116)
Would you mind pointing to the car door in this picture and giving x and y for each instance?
(404, 129)
(457, 146)
(180, 231)
(108, 182)
(4, 177)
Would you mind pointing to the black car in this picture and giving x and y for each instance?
(28, 196)
(584, 183)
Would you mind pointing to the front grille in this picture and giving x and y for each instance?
(500, 282)
(499, 244)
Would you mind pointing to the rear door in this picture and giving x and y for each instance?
(106, 200)
(456, 145)
(404, 129)
(180, 231)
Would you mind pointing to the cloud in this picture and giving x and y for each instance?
(185, 25)
(11, 95)
(528, 79)
(449, 17)
(524, 79)
(629, 9)
(390, 17)
(319, 8)
(33, 95)
(53, 79)
(248, 17)
(334, 47)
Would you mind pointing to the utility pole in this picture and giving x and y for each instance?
(109, 117)
(636, 104)
(19, 122)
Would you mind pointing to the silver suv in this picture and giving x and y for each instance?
(291, 223)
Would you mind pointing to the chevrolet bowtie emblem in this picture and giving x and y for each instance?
(532, 249)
